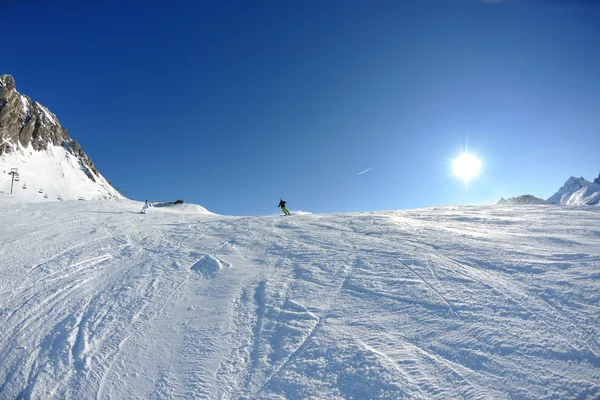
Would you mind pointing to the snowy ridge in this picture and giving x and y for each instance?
(49, 116)
(576, 192)
(100, 302)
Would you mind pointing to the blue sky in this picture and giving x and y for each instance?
(234, 104)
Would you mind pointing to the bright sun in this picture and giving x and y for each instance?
(466, 166)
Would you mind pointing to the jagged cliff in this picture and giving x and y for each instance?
(25, 122)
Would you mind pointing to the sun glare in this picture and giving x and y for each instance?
(466, 166)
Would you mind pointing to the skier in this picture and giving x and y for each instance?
(282, 205)
(146, 205)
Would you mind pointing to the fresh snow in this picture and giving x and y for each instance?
(50, 175)
(98, 301)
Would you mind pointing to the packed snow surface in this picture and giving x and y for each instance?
(98, 301)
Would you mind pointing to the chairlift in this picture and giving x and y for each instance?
(41, 190)
(46, 196)
(81, 198)
(16, 178)
(24, 186)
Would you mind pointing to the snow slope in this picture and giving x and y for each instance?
(100, 302)
(577, 192)
(50, 175)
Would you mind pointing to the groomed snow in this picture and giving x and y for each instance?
(98, 301)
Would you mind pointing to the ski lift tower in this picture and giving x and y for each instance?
(15, 173)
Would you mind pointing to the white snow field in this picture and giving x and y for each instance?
(100, 302)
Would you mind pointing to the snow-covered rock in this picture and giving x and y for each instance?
(577, 192)
(49, 164)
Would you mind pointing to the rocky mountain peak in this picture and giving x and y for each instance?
(597, 180)
(576, 191)
(27, 127)
(24, 123)
(576, 183)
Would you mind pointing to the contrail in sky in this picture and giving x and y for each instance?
(366, 170)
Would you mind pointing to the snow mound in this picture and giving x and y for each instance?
(576, 192)
(183, 208)
(209, 265)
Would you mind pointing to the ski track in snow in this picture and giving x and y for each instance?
(494, 302)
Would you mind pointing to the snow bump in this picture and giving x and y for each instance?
(209, 265)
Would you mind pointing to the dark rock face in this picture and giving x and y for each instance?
(168, 203)
(597, 180)
(25, 122)
(7, 86)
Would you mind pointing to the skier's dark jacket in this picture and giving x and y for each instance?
(281, 204)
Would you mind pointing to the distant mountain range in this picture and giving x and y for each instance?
(38, 159)
(575, 192)
(525, 199)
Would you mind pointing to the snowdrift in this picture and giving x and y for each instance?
(180, 208)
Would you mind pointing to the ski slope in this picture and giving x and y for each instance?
(100, 302)
(50, 175)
